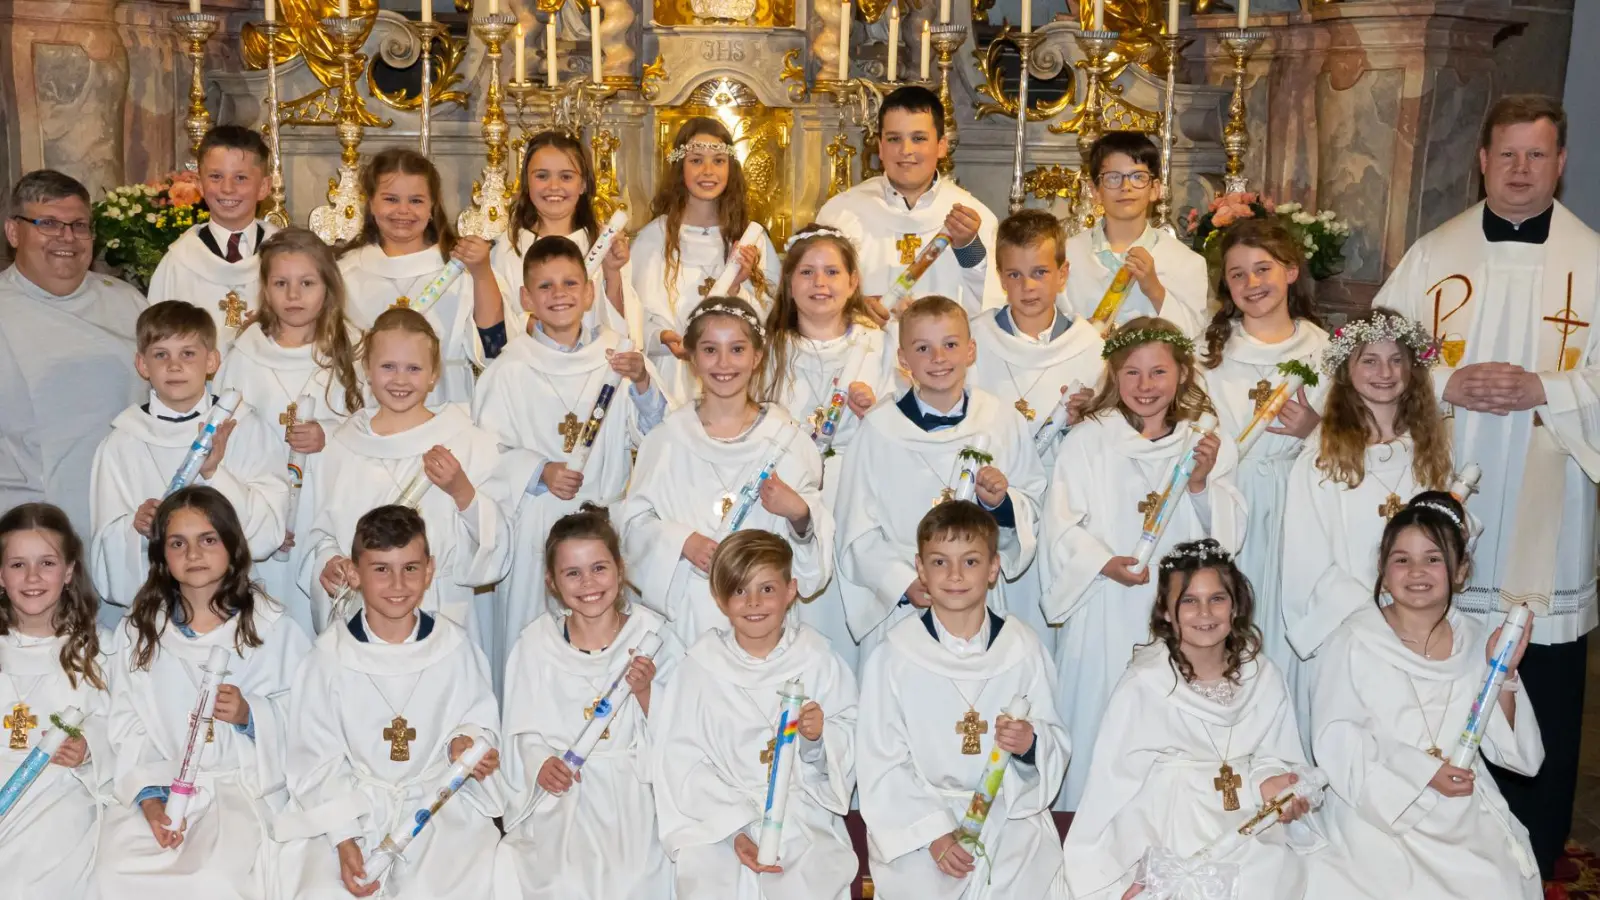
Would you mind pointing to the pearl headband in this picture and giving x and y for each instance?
(698, 146)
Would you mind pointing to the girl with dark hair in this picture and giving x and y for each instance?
(1199, 731)
(198, 597)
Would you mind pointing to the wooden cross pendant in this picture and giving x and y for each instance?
(569, 429)
(1261, 393)
(1436, 753)
(1228, 782)
(945, 496)
(705, 286)
(818, 416)
(724, 506)
(20, 722)
(970, 727)
(399, 735)
(401, 303)
(588, 715)
(766, 755)
(1391, 506)
(289, 418)
(233, 307)
(908, 245)
(1026, 410)
(211, 729)
(1150, 503)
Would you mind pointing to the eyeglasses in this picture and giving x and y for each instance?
(1115, 180)
(81, 229)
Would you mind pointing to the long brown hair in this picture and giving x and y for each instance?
(525, 216)
(741, 310)
(1347, 424)
(1276, 241)
(1178, 569)
(75, 612)
(1187, 404)
(333, 348)
(160, 600)
(672, 196)
(1429, 512)
(589, 523)
(403, 161)
(784, 319)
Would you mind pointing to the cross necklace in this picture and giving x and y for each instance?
(599, 701)
(570, 427)
(1429, 732)
(399, 733)
(820, 394)
(211, 726)
(1262, 392)
(971, 726)
(1392, 504)
(290, 416)
(1227, 781)
(21, 719)
(404, 299)
(1028, 412)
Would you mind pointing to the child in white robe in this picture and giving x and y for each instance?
(557, 199)
(1169, 279)
(533, 399)
(1198, 707)
(699, 217)
(135, 464)
(387, 700)
(377, 455)
(406, 241)
(907, 456)
(714, 732)
(892, 217)
(822, 340)
(50, 660)
(298, 345)
(198, 597)
(1034, 353)
(561, 824)
(699, 467)
(961, 664)
(1395, 685)
(213, 265)
(1266, 320)
(1382, 440)
(1104, 491)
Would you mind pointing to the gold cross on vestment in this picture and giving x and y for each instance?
(1569, 325)
(705, 286)
(1228, 782)
(20, 722)
(766, 755)
(234, 308)
(1026, 410)
(1261, 393)
(1392, 505)
(289, 418)
(399, 735)
(908, 245)
(401, 303)
(970, 727)
(569, 429)
(588, 715)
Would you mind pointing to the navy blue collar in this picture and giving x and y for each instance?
(995, 624)
(359, 631)
(913, 411)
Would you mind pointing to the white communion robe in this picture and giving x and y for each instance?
(360, 471)
(916, 782)
(1529, 305)
(678, 489)
(895, 472)
(668, 302)
(1179, 269)
(507, 262)
(66, 370)
(349, 698)
(863, 354)
(1263, 474)
(47, 840)
(1377, 709)
(375, 281)
(191, 272)
(887, 236)
(271, 378)
(138, 459)
(599, 840)
(1157, 758)
(1104, 471)
(708, 734)
(226, 852)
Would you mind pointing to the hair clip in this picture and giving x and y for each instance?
(698, 146)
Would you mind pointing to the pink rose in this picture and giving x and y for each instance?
(184, 193)
(1224, 217)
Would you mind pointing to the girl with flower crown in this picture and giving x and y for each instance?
(1381, 442)
(1105, 489)
(700, 215)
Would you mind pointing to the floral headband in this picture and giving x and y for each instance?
(1399, 329)
(817, 231)
(698, 146)
(1122, 340)
(728, 309)
(1442, 510)
(1204, 552)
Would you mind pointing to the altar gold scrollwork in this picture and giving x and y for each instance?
(305, 37)
(794, 75)
(401, 48)
(841, 156)
(1052, 182)
(650, 79)
(1045, 58)
(1139, 25)
(761, 138)
(607, 192)
(749, 13)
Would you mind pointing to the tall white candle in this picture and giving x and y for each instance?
(272, 11)
(844, 41)
(1244, 14)
(894, 40)
(1172, 17)
(594, 41)
(494, 7)
(194, 7)
(927, 48)
(427, 11)
(344, 8)
(551, 76)
(522, 54)
(1027, 16)
(1099, 15)
(944, 12)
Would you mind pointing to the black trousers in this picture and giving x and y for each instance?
(1553, 677)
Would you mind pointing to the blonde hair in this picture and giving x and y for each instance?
(739, 557)
(1189, 403)
(405, 321)
(333, 347)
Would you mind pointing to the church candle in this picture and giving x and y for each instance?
(344, 8)
(34, 763)
(297, 475)
(593, 262)
(427, 11)
(607, 708)
(972, 457)
(1172, 17)
(224, 409)
(1027, 16)
(551, 77)
(393, 846)
(597, 414)
(272, 11)
(723, 286)
(1099, 15)
(894, 41)
(494, 7)
(944, 12)
(595, 58)
(1489, 695)
(927, 47)
(194, 7)
(780, 773)
(522, 54)
(200, 725)
(1156, 520)
(1244, 14)
(844, 41)
(994, 772)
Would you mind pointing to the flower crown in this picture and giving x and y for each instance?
(728, 309)
(1205, 552)
(698, 146)
(1399, 329)
(1122, 340)
(817, 231)
(1442, 510)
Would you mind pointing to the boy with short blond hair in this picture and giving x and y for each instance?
(177, 355)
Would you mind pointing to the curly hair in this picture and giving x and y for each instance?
(1273, 238)
(1178, 570)
(75, 612)
(1189, 403)
(783, 321)
(672, 197)
(334, 349)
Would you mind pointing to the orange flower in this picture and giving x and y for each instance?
(1223, 217)
(183, 193)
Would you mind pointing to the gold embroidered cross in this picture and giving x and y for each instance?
(588, 715)
(766, 755)
(908, 245)
(1261, 393)
(1026, 410)
(399, 735)
(1391, 506)
(970, 727)
(20, 722)
(569, 429)
(1569, 325)
(289, 418)
(1228, 782)
(234, 307)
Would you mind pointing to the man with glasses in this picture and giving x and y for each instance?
(66, 347)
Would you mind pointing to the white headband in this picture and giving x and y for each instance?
(817, 231)
(1441, 509)
(728, 309)
(699, 146)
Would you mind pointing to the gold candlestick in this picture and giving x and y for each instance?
(1096, 45)
(1164, 218)
(859, 99)
(492, 193)
(196, 29)
(520, 92)
(947, 39)
(1024, 43)
(340, 220)
(427, 33)
(1240, 44)
(276, 212)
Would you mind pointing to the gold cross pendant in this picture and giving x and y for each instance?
(233, 307)
(1228, 782)
(945, 496)
(1436, 753)
(1026, 410)
(1150, 503)
(399, 734)
(818, 416)
(289, 418)
(21, 721)
(766, 755)
(724, 506)
(705, 286)
(1391, 506)
(569, 429)
(908, 245)
(970, 727)
(401, 303)
(1261, 393)
(588, 715)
